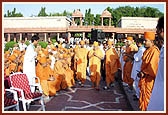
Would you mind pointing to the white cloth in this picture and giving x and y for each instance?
(89, 48)
(137, 66)
(156, 102)
(52, 62)
(63, 45)
(71, 40)
(22, 46)
(137, 62)
(122, 61)
(29, 65)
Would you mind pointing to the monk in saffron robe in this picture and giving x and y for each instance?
(131, 49)
(95, 55)
(12, 63)
(81, 60)
(20, 66)
(148, 72)
(67, 71)
(44, 73)
(74, 60)
(112, 65)
(60, 73)
(52, 80)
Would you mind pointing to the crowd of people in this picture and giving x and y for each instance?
(59, 67)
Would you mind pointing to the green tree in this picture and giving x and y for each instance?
(77, 21)
(128, 11)
(97, 20)
(42, 12)
(65, 13)
(13, 14)
(89, 18)
(152, 12)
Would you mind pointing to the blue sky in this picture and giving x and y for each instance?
(28, 9)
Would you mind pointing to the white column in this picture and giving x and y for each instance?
(58, 36)
(102, 21)
(139, 35)
(83, 35)
(109, 21)
(45, 37)
(73, 21)
(81, 21)
(8, 37)
(20, 36)
(126, 35)
(113, 36)
(69, 35)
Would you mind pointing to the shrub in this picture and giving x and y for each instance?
(53, 39)
(43, 44)
(9, 45)
(27, 42)
(121, 44)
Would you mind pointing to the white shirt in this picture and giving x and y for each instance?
(156, 102)
(121, 58)
(22, 46)
(137, 62)
(52, 62)
(29, 63)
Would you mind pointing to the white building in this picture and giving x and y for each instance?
(138, 22)
(37, 22)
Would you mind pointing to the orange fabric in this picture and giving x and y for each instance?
(15, 54)
(40, 52)
(15, 50)
(95, 43)
(79, 61)
(59, 46)
(82, 42)
(20, 68)
(69, 77)
(44, 73)
(65, 55)
(12, 57)
(112, 63)
(7, 52)
(130, 38)
(52, 84)
(12, 67)
(81, 53)
(127, 69)
(54, 49)
(60, 71)
(110, 42)
(22, 59)
(7, 72)
(149, 66)
(95, 66)
(45, 52)
(43, 60)
(149, 35)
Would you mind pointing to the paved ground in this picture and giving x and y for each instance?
(88, 99)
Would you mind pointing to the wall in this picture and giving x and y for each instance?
(36, 22)
(138, 22)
